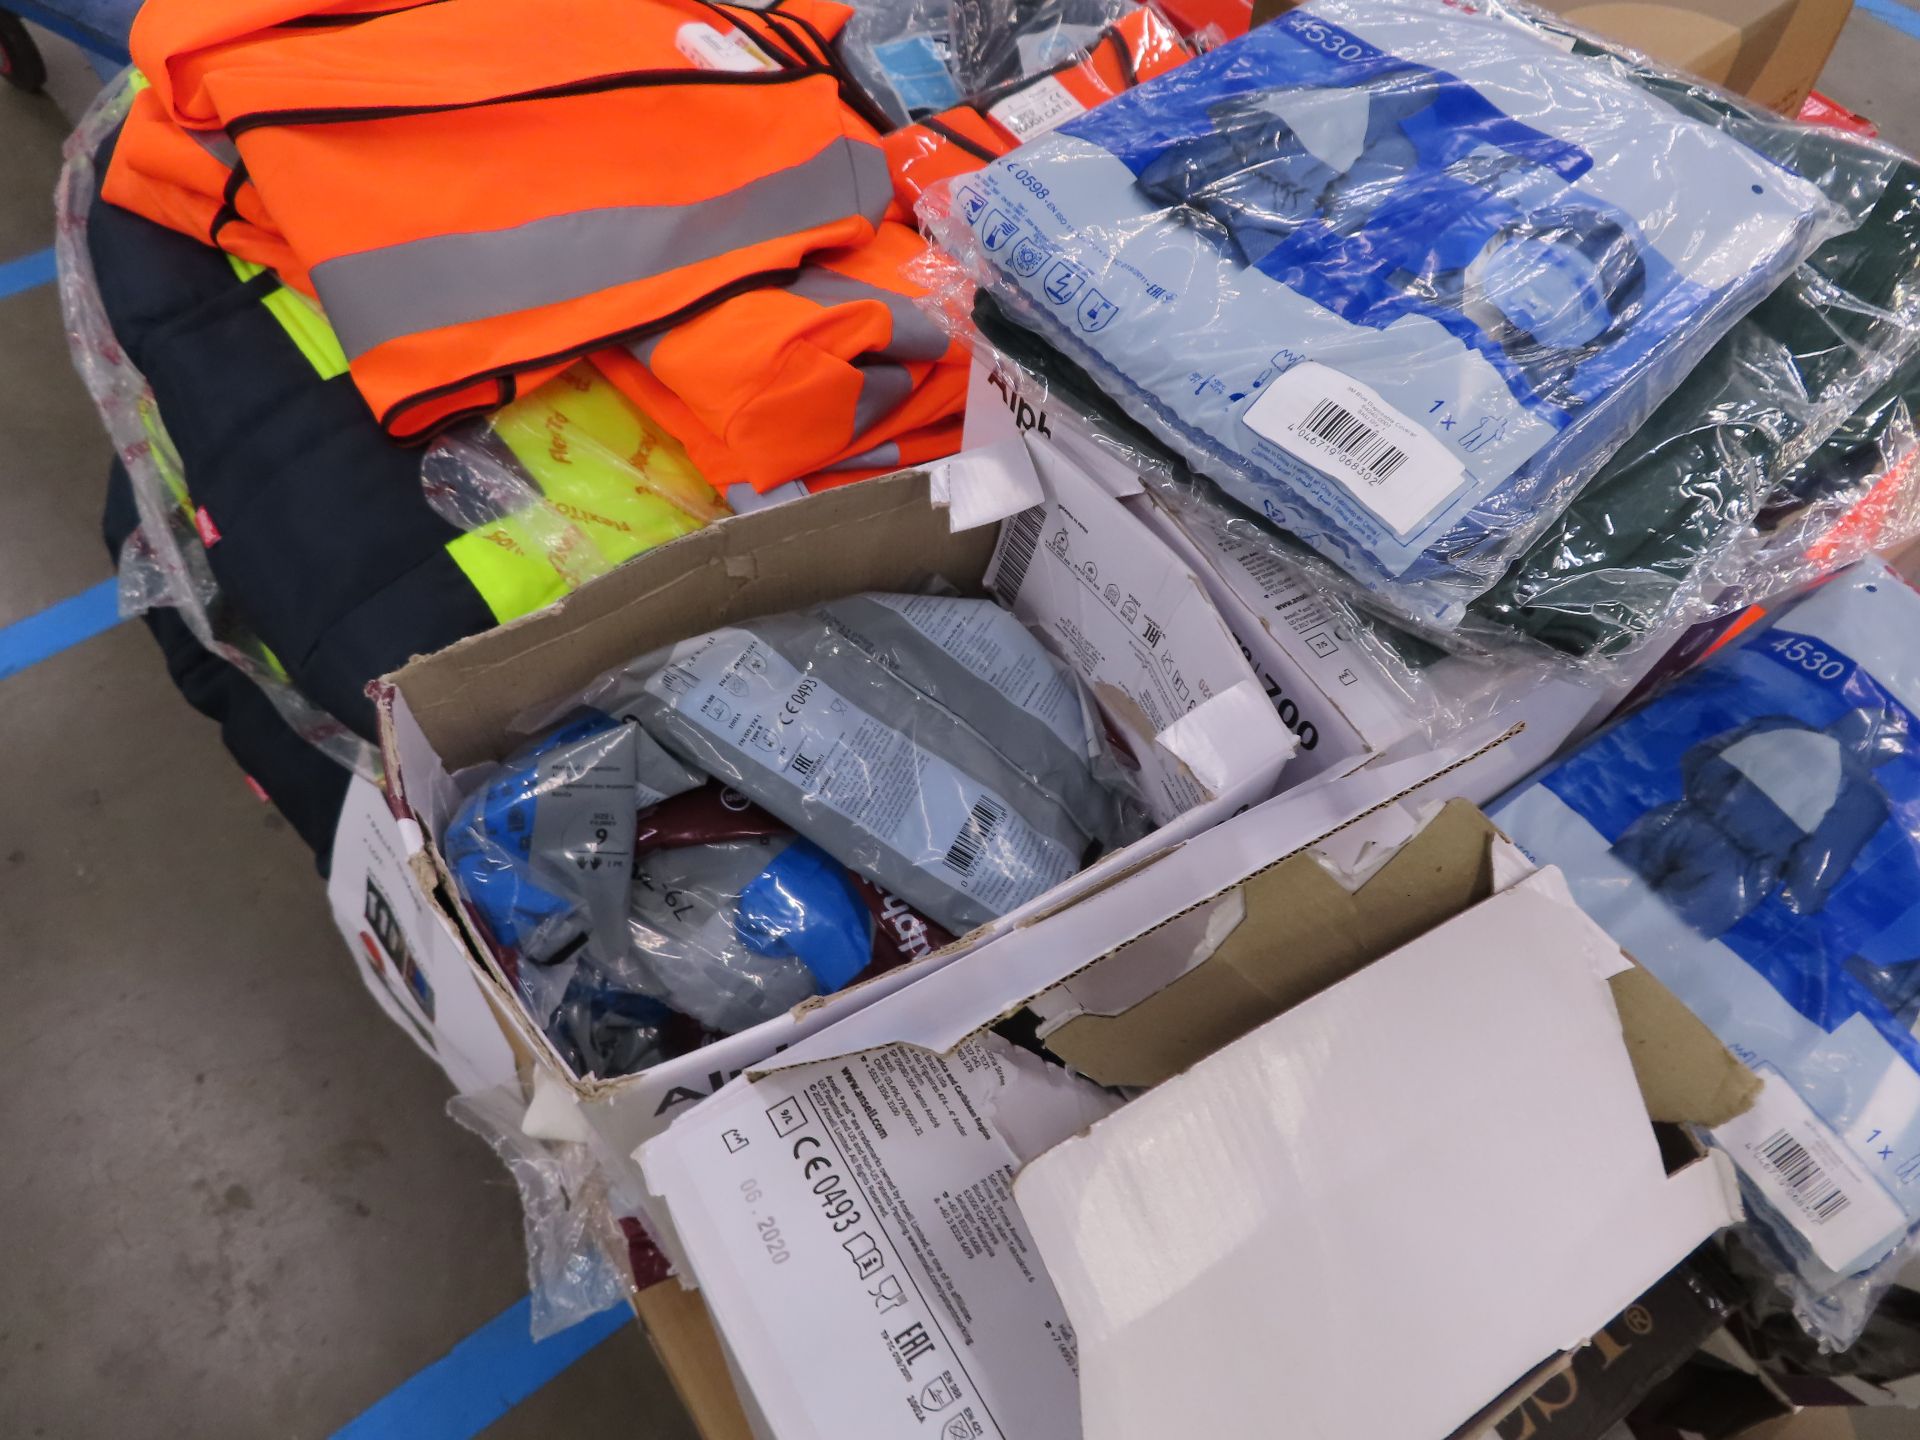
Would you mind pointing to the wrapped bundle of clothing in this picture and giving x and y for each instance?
(1752, 837)
(1396, 277)
(1748, 478)
(252, 455)
(1063, 69)
(897, 769)
(470, 226)
(317, 278)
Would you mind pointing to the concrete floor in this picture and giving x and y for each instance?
(231, 1203)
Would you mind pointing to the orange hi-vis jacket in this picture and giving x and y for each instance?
(812, 374)
(1134, 49)
(479, 191)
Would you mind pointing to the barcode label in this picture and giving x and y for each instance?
(1398, 470)
(982, 820)
(1811, 1178)
(1037, 108)
(1018, 541)
(1347, 434)
(1788, 1158)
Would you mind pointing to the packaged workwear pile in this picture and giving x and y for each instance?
(1417, 299)
(934, 582)
(252, 319)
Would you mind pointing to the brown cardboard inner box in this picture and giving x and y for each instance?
(1771, 51)
(1304, 931)
(879, 535)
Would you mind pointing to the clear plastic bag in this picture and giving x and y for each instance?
(164, 561)
(601, 1027)
(927, 742)
(735, 920)
(1886, 1353)
(563, 1206)
(641, 911)
(918, 57)
(1490, 261)
(1741, 484)
(564, 484)
(1752, 837)
(1434, 692)
(1857, 494)
(542, 850)
(742, 931)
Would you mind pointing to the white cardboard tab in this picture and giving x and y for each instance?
(1450, 1142)
(985, 486)
(1002, 405)
(860, 1220)
(1232, 735)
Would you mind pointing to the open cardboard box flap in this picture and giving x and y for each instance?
(1304, 929)
(875, 534)
(1468, 1094)
(1449, 1134)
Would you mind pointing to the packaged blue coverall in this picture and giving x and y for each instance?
(1396, 276)
(1752, 837)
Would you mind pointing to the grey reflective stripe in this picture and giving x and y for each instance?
(642, 350)
(217, 144)
(915, 336)
(883, 387)
(873, 186)
(379, 295)
(885, 456)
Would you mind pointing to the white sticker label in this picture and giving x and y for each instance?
(1344, 429)
(1037, 108)
(711, 50)
(868, 1204)
(755, 701)
(1809, 1176)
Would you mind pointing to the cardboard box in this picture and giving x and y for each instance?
(1323, 684)
(1436, 1153)
(410, 955)
(1771, 51)
(682, 1335)
(449, 711)
(1583, 1396)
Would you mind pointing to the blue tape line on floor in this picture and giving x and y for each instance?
(1892, 12)
(480, 1379)
(59, 627)
(26, 272)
